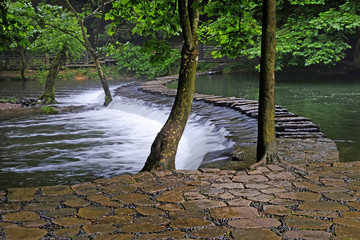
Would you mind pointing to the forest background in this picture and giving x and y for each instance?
(312, 35)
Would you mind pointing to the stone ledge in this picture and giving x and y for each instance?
(299, 140)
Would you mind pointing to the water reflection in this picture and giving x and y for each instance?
(330, 101)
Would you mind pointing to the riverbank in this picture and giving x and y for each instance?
(9, 106)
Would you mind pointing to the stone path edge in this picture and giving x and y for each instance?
(299, 139)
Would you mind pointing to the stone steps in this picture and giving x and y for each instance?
(288, 125)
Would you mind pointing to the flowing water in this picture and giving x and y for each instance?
(85, 140)
(332, 101)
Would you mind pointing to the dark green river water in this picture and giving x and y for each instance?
(333, 102)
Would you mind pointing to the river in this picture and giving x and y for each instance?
(331, 101)
(86, 141)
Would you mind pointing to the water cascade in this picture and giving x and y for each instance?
(90, 141)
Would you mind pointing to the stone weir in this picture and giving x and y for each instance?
(299, 139)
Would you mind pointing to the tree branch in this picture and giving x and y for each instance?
(175, 5)
(112, 36)
(185, 22)
(72, 34)
(81, 23)
(98, 9)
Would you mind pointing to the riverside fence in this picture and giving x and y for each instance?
(13, 62)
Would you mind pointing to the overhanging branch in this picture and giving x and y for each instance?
(98, 9)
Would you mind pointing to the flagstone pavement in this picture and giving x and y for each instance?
(280, 201)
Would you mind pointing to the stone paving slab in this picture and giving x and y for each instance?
(301, 202)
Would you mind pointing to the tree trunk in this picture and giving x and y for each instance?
(266, 145)
(23, 63)
(102, 77)
(87, 45)
(357, 51)
(48, 96)
(164, 147)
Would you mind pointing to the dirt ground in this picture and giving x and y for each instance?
(8, 106)
(16, 74)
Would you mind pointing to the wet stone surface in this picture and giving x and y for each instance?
(294, 206)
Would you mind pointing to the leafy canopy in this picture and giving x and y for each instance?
(230, 25)
(46, 28)
(313, 32)
(60, 32)
(157, 19)
(132, 61)
(17, 25)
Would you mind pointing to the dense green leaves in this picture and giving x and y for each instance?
(60, 32)
(17, 27)
(132, 61)
(306, 2)
(232, 26)
(150, 17)
(157, 19)
(45, 28)
(309, 34)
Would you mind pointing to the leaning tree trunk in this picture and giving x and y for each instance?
(87, 44)
(357, 51)
(101, 74)
(164, 147)
(266, 145)
(48, 96)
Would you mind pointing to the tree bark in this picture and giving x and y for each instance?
(266, 145)
(102, 77)
(357, 51)
(48, 96)
(164, 147)
(88, 46)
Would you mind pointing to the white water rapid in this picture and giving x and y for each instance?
(97, 140)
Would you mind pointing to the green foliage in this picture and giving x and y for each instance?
(149, 17)
(202, 66)
(158, 50)
(158, 19)
(111, 72)
(309, 35)
(49, 110)
(232, 26)
(17, 26)
(46, 28)
(60, 32)
(41, 75)
(9, 100)
(306, 2)
(132, 60)
(66, 75)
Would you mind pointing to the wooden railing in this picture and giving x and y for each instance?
(205, 55)
(13, 62)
